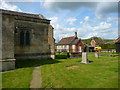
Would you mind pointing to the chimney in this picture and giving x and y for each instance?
(75, 34)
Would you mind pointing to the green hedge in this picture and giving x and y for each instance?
(107, 46)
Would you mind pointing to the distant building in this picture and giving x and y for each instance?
(96, 42)
(118, 45)
(70, 44)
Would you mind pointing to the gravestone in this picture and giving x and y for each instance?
(68, 55)
(96, 55)
(84, 58)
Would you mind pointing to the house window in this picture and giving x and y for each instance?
(65, 46)
(24, 38)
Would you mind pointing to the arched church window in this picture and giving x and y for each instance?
(27, 38)
(22, 38)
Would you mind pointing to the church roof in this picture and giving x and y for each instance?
(38, 16)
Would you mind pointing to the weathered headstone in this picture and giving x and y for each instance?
(68, 55)
(96, 55)
(84, 58)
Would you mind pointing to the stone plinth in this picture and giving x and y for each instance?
(7, 64)
(84, 58)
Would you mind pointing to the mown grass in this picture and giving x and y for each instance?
(102, 72)
(18, 78)
(22, 75)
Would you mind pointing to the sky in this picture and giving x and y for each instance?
(88, 19)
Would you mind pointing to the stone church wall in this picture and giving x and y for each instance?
(7, 60)
(38, 39)
(51, 41)
(39, 45)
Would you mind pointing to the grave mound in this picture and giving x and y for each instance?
(72, 67)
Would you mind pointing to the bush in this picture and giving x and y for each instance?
(107, 46)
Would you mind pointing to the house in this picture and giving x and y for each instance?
(117, 43)
(70, 44)
(96, 41)
(24, 36)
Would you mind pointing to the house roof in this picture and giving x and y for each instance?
(76, 41)
(110, 42)
(66, 41)
(38, 16)
(118, 39)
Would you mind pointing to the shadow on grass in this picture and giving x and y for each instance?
(61, 57)
(88, 61)
(33, 63)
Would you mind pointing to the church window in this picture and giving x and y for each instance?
(24, 38)
(27, 38)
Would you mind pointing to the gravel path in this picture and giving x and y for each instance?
(36, 78)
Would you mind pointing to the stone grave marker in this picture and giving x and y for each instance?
(84, 58)
(96, 55)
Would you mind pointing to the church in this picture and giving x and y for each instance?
(24, 36)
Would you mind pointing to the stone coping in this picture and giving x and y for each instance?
(7, 60)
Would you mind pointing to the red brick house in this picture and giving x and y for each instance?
(70, 44)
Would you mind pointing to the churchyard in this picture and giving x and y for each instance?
(65, 72)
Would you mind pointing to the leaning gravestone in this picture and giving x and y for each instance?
(96, 55)
(84, 58)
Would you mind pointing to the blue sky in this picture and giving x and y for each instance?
(87, 19)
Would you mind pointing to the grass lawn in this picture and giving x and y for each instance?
(18, 78)
(100, 73)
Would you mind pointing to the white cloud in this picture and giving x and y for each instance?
(81, 22)
(104, 8)
(89, 27)
(103, 30)
(8, 6)
(103, 26)
(71, 20)
(87, 18)
(54, 20)
(101, 8)
(112, 19)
